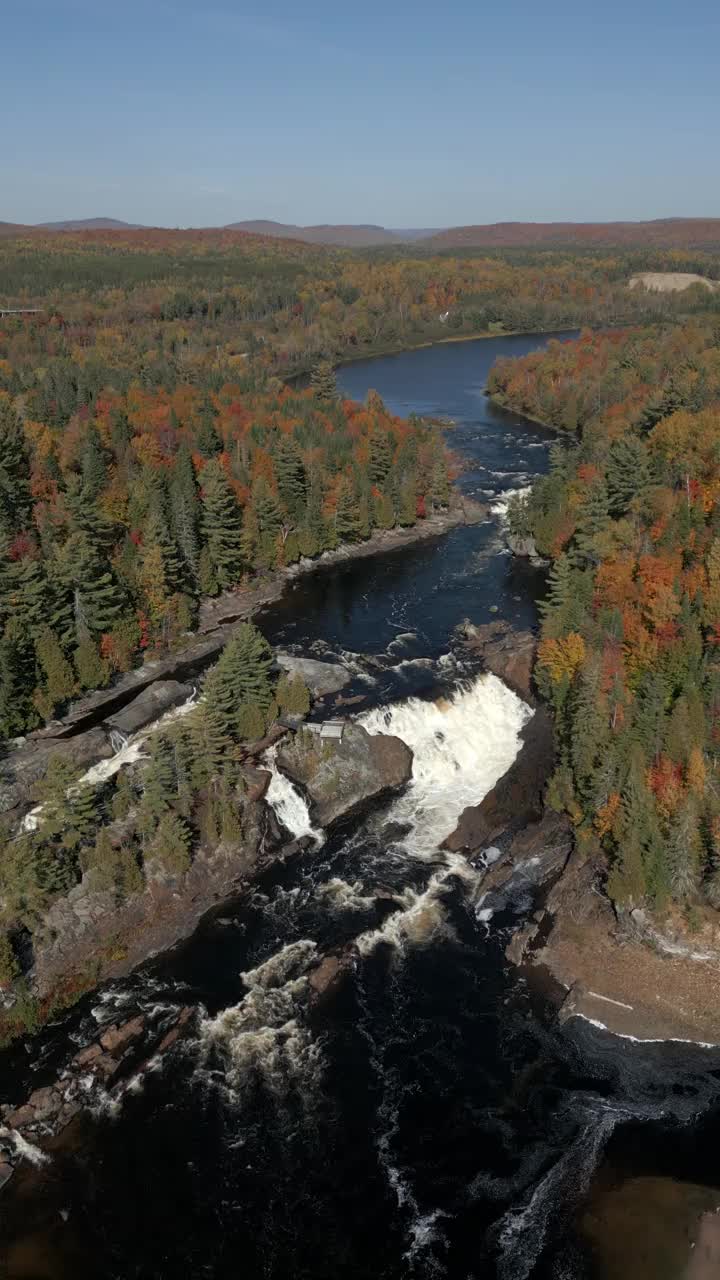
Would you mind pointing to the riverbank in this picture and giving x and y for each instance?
(400, 348)
(92, 723)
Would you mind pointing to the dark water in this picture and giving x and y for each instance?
(430, 1120)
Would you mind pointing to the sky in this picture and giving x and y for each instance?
(401, 112)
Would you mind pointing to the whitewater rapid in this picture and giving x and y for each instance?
(462, 744)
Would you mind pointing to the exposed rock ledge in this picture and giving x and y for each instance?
(507, 653)
(622, 972)
(340, 778)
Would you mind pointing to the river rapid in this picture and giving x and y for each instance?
(430, 1119)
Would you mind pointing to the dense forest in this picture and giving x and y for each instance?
(224, 296)
(155, 449)
(125, 498)
(630, 650)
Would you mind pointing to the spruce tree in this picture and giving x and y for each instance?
(241, 676)
(98, 599)
(169, 849)
(18, 676)
(185, 508)
(347, 525)
(59, 679)
(592, 520)
(323, 383)
(290, 473)
(380, 457)
(627, 473)
(440, 484)
(222, 526)
(15, 499)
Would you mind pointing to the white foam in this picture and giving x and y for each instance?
(500, 506)
(461, 744)
(289, 805)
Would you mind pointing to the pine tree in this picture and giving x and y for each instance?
(169, 850)
(290, 473)
(241, 676)
(293, 695)
(18, 675)
(15, 500)
(380, 457)
(101, 863)
(59, 679)
(92, 669)
(185, 509)
(322, 382)
(684, 850)
(222, 526)
(9, 967)
(32, 594)
(347, 525)
(93, 464)
(627, 473)
(98, 597)
(249, 722)
(592, 520)
(440, 484)
(210, 742)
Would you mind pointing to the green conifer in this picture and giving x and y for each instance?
(222, 526)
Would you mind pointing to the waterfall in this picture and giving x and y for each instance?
(290, 806)
(462, 745)
(126, 751)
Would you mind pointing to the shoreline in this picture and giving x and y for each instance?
(87, 722)
(399, 349)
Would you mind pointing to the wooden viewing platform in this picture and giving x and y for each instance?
(21, 311)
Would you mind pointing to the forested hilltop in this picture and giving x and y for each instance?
(630, 647)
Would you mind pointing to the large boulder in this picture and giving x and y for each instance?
(341, 777)
(517, 798)
(321, 678)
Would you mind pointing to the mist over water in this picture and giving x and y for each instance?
(429, 1119)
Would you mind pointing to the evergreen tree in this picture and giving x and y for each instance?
(347, 525)
(18, 675)
(169, 851)
(290, 473)
(440, 484)
(93, 464)
(59, 679)
(241, 676)
(98, 598)
(380, 457)
(32, 594)
(222, 526)
(15, 501)
(293, 695)
(185, 512)
(627, 473)
(322, 382)
(592, 520)
(92, 669)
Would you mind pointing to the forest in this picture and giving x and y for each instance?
(157, 447)
(629, 517)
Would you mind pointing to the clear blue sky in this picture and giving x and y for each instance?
(400, 112)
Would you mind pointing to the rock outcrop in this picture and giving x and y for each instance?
(148, 706)
(340, 778)
(516, 799)
(106, 1066)
(321, 678)
(508, 654)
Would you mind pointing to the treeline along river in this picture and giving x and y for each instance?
(430, 1120)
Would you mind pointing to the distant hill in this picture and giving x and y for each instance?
(663, 233)
(350, 237)
(91, 224)
(12, 228)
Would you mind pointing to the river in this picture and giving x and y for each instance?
(431, 1120)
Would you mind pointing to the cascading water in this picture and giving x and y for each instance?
(290, 806)
(461, 743)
